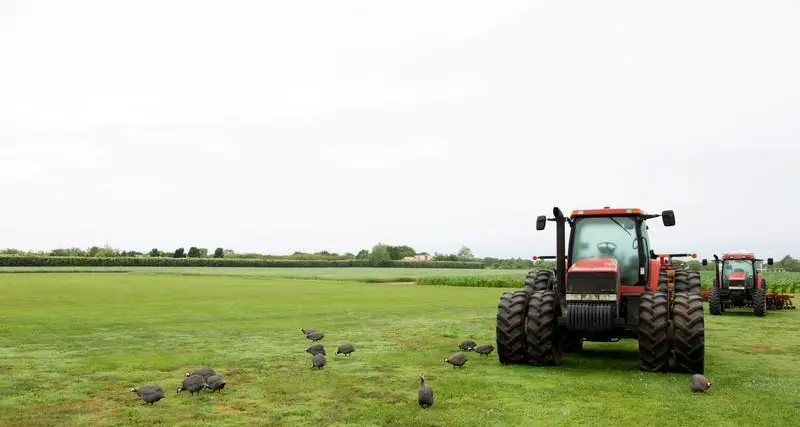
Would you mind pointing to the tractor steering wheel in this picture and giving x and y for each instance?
(607, 247)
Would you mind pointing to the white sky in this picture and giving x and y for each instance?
(276, 126)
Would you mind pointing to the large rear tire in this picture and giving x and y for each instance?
(760, 302)
(663, 282)
(689, 333)
(695, 283)
(510, 329)
(541, 280)
(543, 343)
(654, 348)
(714, 302)
(687, 281)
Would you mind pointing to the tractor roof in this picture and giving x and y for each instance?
(606, 211)
(739, 255)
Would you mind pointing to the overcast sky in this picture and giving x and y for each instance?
(276, 126)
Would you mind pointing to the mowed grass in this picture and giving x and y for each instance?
(73, 344)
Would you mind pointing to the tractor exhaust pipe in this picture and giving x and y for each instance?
(561, 257)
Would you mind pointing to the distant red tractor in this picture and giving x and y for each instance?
(607, 285)
(738, 282)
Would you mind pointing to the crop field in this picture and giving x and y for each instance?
(73, 344)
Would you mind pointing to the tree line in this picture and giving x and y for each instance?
(378, 253)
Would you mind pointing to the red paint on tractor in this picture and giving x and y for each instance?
(607, 212)
(739, 256)
(737, 276)
(631, 290)
(595, 265)
(655, 268)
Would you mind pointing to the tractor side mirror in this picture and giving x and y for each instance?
(770, 261)
(704, 261)
(541, 221)
(668, 218)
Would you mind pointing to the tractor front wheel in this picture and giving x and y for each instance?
(689, 333)
(760, 302)
(714, 302)
(510, 329)
(654, 349)
(543, 344)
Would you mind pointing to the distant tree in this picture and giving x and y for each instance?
(445, 257)
(362, 254)
(694, 265)
(203, 252)
(788, 263)
(194, 252)
(179, 253)
(348, 255)
(400, 252)
(219, 253)
(379, 254)
(154, 253)
(465, 254)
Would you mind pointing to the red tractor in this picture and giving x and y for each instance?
(739, 284)
(608, 285)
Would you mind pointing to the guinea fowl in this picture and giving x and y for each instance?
(203, 372)
(467, 345)
(193, 383)
(316, 335)
(316, 348)
(425, 394)
(215, 383)
(457, 359)
(700, 383)
(345, 349)
(307, 331)
(319, 361)
(150, 393)
(484, 350)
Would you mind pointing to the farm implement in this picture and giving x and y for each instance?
(739, 282)
(606, 286)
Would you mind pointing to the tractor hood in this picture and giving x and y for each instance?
(736, 276)
(594, 265)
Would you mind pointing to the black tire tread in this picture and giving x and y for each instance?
(689, 333)
(510, 328)
(760, 302)
(714, 301)
(654, 346)
(540, 329)
(539, 280)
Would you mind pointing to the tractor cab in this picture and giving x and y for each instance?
(609, 240)
(608, 251)
(739, 268)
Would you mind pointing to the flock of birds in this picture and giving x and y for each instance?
(194, 382)
(425, 392)
(207, 378)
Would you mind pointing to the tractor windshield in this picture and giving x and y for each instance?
(608, 237)
(737, 266)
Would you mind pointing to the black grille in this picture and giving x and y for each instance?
(591, 283)
(591, 317)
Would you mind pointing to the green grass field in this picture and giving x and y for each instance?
(72, 345)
